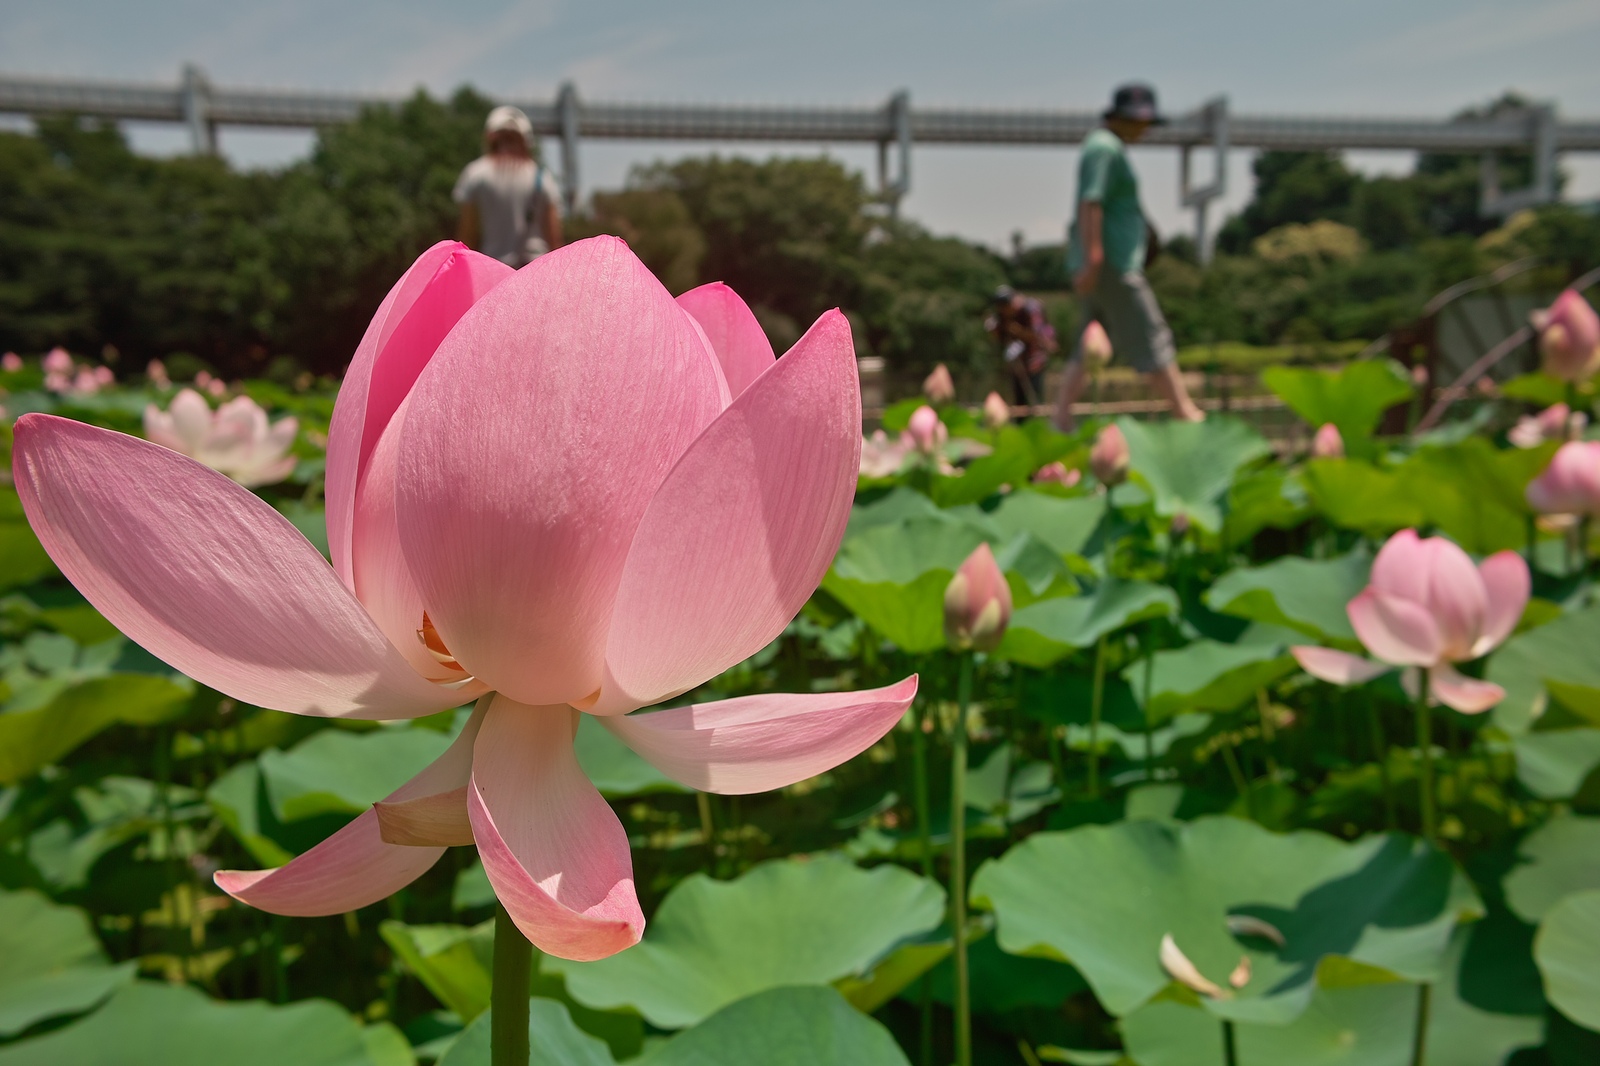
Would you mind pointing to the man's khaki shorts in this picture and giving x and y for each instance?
(1127, 309)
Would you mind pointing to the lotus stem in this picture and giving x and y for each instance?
(1096, 702)
(1430, 816)
(919, 778)
(1380, 752)
(958, 864)
(508, 998)
(1533, 541)
(1149, 679)
(1230, 1052)
(1419, 1038)
(707, 826)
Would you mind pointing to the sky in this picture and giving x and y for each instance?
(1357, 57)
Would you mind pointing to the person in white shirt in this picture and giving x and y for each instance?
(510, 204)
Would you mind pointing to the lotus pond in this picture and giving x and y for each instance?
(1183, 849)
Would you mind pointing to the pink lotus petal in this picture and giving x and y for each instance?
(533, 443)
(1465, 694)
(1401, 567)
(208, 577)
(1337, 667)
(553, 849)
(1456, 598)
(1394, 630)
(757, 743)
(1508, 585)
(355, 867)
(737, 338)
(437, 820)
(744, 527)
(422, 307)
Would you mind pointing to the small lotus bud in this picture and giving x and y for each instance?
(1109, 457)
(11, 362)
(927, 432)
(1241, 973)
(1569, 337)
(1057, 474)
(996, 412)
(939, 387)
(1096, 346)
(1181, 970)
(1327, 444)
(156, 371)
(57, 361)
(977, 604)
(1180, 525)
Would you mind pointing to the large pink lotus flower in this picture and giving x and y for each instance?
(1427, 606)
(235, 439)
(553, 491)
(1571, 483)
(1569, 337)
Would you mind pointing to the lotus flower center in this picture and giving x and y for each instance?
(429, 637)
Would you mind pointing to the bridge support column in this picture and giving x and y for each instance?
(567, 117)
(899, 123)
(1214, 123)
(1492, 202)
(196, 93)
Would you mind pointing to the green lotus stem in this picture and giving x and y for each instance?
(508, 997)
(707, 826)
(919, 778)
(1231, 760)
(958, 864)
(1230, 1053)
(1096, 702)
(1430, 816)
(1380, 752)
(1419, 1037)
(1533, 541)
(1149, 677)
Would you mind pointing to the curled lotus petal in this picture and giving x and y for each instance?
(1186, 973)
(1250, 925)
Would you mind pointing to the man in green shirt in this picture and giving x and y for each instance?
(1105, 257)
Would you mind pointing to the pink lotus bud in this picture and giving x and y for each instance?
(1553, 423)
(11, 362)
(57, 361)
(1185, 972)
(104, 376)
(86, 383)
(1109, 457)
(1569, 337)
(156, 371)
(1180, 524)
(977, 604)
(939, 387)
(1571, 483)
(1327, 444)
(55, 381)
(927, 432)
(1096, 345)
(996, 412)
(1057, 474)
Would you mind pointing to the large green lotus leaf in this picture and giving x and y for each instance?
(1567, 950)
(35, 738)
(175, 1025)
(893, 577)
(616, 769)
(1305, 594)
(783, 1027)
(340, 772)
(1562, 651)
(552, 1035)
(1354, 494)
(114, 811)
(1064, 524)
(23, 559)
(785, 922)
(1383, 901)
(1001, 982)
(240, 803)
(1473, 491)
(51, 963)
(1205, 676)
(1559, 858)
(455, 962)
(1043, 633)
(1033, 570)
(1007, 792)
(1554, 764)
(1353, 398)
(1190, 465)
(1011, 462)
(1272, 498)
(892, 507)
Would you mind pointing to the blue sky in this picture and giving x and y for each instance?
(1421, 57)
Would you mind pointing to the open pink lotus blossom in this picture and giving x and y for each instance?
(882, 457)
(1427, 607)
(1555, 422)
(1057, 473)
(996, 412)
(545, 494)
(235, 439)
(1571, 483)
(1109, 459)
(1569, 337)
(939, 387)
(1096, 346)
(1327, 444)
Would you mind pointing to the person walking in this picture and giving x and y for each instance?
(510, 204)
(1106, 256)
(1026, 340)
